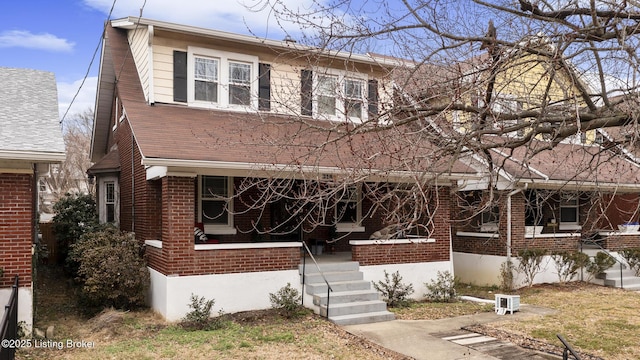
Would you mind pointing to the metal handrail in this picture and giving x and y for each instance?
(304, 264)
(567, 349)
(9, 324)
(593, 242)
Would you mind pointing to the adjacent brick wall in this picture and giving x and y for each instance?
(16, 227)
(620, 242)
(382, 254)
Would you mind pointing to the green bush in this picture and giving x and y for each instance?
(569, 263)
(199, 318)
(530, 263)
(111, 272)
(287, 301)
(74, 216)
(394, 292)
(442, 289)
(632, 257)
(601, 262)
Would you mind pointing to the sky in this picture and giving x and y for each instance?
(64, 36)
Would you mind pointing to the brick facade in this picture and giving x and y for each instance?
(16, 227)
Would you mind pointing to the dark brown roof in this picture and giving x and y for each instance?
(108, 163)
(182, 133)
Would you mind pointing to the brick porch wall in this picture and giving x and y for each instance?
(620, 242)
(382, 254)
(16, 227)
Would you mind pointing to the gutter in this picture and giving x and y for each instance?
(255, 167)
(36, 156)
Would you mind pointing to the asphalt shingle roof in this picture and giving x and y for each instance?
(29, 119)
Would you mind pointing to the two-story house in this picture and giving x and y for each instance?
(262, 146)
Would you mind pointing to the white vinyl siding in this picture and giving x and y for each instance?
(139, 40)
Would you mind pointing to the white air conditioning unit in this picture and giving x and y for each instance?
(507, 303)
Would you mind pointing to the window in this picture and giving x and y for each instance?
(110, 201)
(239, 83)
(490, 219)
(221, 79)
(206, 79)
(347, 205)
(42, 185)
(216, 205)
(569, 212)
(337, 95)
(109, 208)
(353, 98)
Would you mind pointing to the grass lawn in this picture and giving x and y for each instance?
(604, 322)
(600, 321)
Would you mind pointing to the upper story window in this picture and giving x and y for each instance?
(220, 79)
(338, 95)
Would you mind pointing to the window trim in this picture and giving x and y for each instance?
(102, 186)
(218, 229)
(340, 95)
(348, 226)
(224, 59)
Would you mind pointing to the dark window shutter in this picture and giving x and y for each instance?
(264, 87)
(180, 76)
(306, 91)
(372, 98)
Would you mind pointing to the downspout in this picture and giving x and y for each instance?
(514, 192)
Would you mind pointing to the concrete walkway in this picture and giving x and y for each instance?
(443, 339)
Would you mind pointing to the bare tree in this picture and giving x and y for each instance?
(71, 175)
(496, 82)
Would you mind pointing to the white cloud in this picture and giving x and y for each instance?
(25, 39)
(85, 100)
(239, 16)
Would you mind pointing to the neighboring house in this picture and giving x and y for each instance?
(31, 139)
(244, 138)
(541, 194)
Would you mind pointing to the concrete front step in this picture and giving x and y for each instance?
(614, 273)
(338, 286)
(627, 282)
(355, 319)
(332, 277)
(356, 307)
(310, 267)
(346, 296)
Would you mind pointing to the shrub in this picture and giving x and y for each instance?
(199, 318)
(394, 292)
(601, 262)
(506, 276)
(632, 257)
(287, 301)
(74, 216)
(111, 272)
(442, 289)
(530, 263)
(569, 263)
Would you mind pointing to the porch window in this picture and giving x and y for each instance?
(348, 210)
(216, 205)
(569, 218)
(490, 219)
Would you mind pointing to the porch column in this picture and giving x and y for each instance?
(178, 209)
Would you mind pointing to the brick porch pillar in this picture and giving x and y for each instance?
(178, 209)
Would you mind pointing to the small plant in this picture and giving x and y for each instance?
(601, 262)
(199, 318)
(442, 289)
(632, 257)
(287, 301)
(507, 281)
(569, 263)
(530, 263)
(394, 292)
